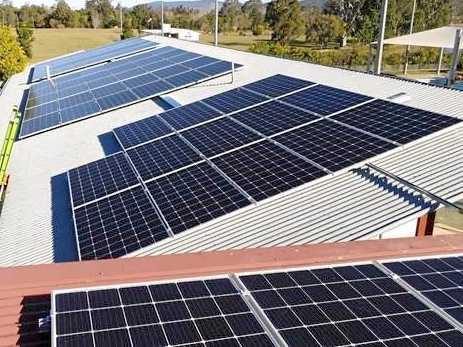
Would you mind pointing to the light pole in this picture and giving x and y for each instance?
(162, 17)
(407, 52)
(380, 42)
(216, 29)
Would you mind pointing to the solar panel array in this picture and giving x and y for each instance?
(205, 160)
(343, 305)
(89, 92)
(440, 280)
(194, 313)
(90, 57)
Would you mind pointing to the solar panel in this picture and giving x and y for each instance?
(189, 115)
(101, 178)
(440, 280)
(333, 146)
(219, 136)
(91, 57)
(273, 117)
(200, 312)
(346, 305)
(234, 100)
(325, 100)
(116, 84)
(194, 196)
(399, 123)
(264, 169)
(117, 225)
(162, 156)
(141, 131)
(278, 85)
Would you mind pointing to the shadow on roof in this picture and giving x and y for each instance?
(109, 143)
(64, 242)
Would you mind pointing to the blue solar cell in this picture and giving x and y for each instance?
(96, 83)
(37, 124)
(162, 156)
(72, 90)
(41, 110)
(325, 100)
(233, 100)
(274, 117)
(75, 100)
(196, 63)
(117, 225)
(278, 85)
(189, 115)
(141, 131)
(122, 75)
(170, 71)
(333, 146)
(194, 196)
(219, 136)
(140, 80)
(186, 78)
(79, 111)
(217, 68)
(396, 122)
(116, 100)
(264, 169)
(108, 90)
(101, 178)
(152, 89)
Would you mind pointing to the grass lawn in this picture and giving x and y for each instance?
(51, 43)
(234, 40)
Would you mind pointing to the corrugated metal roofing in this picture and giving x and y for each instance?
(35, 226)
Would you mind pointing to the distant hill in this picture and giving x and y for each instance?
(208, 5)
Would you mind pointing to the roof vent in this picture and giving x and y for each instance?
(400, 98)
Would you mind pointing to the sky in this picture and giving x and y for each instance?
(76, 4)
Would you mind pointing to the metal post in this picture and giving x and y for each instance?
(47, 69)
(216, 27)
(456, 56)
(379, 45)
(120, 16)
(441, 56)
(370, 53)
(233, 72)
(162, 17)
(407, 52)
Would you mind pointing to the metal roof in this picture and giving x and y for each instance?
(36, 225)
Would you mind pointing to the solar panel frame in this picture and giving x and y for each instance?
(264, 169)
(112, 99)
(117, 224)
(185, 202)
(438, 279)
(101, 178)
(191, 301)
(40, 68)
(396, 122)
(301, 310)
(333, 146)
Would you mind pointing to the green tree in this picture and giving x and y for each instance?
(285, 19)
(432, 14)
(25, 36)
(229, 15)
(61, 15)
(350, 11)
(254, 10)
(323, 28)
(140, 16)
(12, 57)
(101, 13)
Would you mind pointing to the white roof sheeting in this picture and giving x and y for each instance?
(443, 37)
(36, 227)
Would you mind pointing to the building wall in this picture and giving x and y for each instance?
(407, 229)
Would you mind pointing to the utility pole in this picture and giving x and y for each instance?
(120, 16)
(455, 59)
(162, 17)
(380, 42)
(407, 52)
(216, 29)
